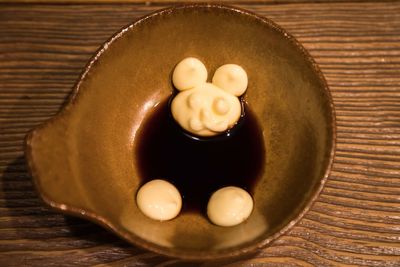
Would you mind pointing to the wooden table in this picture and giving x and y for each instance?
(356, 220)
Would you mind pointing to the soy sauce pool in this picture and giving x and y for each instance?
(199, 167)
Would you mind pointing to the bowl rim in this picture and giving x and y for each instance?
(132, 238)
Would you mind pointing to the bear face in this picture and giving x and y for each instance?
(207, 109)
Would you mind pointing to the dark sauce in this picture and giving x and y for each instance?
(199, 167)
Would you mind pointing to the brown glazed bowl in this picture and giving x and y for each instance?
(82, 160)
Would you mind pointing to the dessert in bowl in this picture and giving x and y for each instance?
(88, 160)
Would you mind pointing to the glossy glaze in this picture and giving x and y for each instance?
(82, 162)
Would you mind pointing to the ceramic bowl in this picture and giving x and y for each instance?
(82, 161)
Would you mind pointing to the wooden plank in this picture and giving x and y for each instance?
(187, 1)
(356, 221)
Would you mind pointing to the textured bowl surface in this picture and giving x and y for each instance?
(82, 160)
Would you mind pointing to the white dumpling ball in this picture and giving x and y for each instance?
(159, 200)
(189, 73)
(231, 78)
(229, 206)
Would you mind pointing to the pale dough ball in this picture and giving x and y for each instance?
(159, 200)
(229, 206)
(189, 73)
(206, 110)
(231, 78)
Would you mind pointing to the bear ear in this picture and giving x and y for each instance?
(189, 73)
(231, 78)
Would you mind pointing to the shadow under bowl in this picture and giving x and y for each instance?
(82, 160)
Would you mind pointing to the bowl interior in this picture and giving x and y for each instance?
(91, 144)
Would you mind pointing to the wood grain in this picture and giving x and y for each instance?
(356, 220)
(163, 2)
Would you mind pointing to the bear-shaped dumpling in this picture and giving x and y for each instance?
(207, 109)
